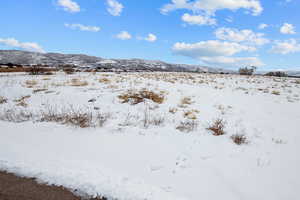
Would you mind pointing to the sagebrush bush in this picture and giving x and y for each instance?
(187, 126)
(3, 100)
(239, 139)
(78, 83)
(136, 97)
(67, 116)
(217, 127)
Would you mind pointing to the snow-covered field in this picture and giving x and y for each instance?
(154, 151)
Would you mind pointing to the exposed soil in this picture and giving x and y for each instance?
(17, 188)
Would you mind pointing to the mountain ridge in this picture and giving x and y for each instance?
(85, 61)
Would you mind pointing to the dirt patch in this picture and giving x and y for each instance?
(16, 188)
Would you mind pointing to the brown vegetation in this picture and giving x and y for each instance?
(136, 97)
(217, 127)
(239, 139)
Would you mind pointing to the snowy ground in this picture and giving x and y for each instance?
(138, 152)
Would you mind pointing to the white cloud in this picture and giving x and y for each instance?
(151, 37)
(30, 46)
(83, 27)
(210, 48)
(220, 53)
(233, 61)
(287, 29)
(124, 35)
(114, 7)
(198, 19)
(263, 26)
(211, 6)
(245, 36)
(286, 47)
(69, 5)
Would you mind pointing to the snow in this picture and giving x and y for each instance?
(133, 162)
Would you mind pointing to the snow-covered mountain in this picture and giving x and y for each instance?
(85, 61)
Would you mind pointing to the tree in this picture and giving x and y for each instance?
(247, 71)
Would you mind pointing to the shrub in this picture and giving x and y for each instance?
(69, 70)
(239, 139)
(247, 71)
(217, 127)
(3, 100)
(136, 97)
(187, 126)
(276, 92)
(277, 73)
(36, 70)
(186, 101)
(78, 83)
(31, 83)
(15, 115)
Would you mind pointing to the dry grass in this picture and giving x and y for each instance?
(78, 83)
(39, 90)
(187, 126)
(67, 116)
(21, 101)
(69, 71)
(3, 100)
(276, 92)
(14, 115)
(239, 139)
(77, 118)
(104, 80)
(173, 110)
(136, 97)
(186, 101)
(31, 83)
(217, 127)
(190, 115)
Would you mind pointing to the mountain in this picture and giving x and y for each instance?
(85, 61)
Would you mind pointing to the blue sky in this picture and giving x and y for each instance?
(220, 33)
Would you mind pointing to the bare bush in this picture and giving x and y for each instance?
(277, 74)
(136, 97)
(77, 118)
(3, 100)
(67, 116)
(14, 115)
(217, 127)
(239, 139)
(247, 71)
(187, 126)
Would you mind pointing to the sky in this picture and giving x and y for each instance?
(217, 33)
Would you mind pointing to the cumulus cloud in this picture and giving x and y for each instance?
(83, 27)
(69, 5)
(211, 6)
(29, 46)
(210, 48)
(233, 61)
(263, 26)
(287, 29)
(114, 7)
(123, 35)
(286, 47)
(198, 19)
(151, 37)
(245, 36)
(214, 52)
